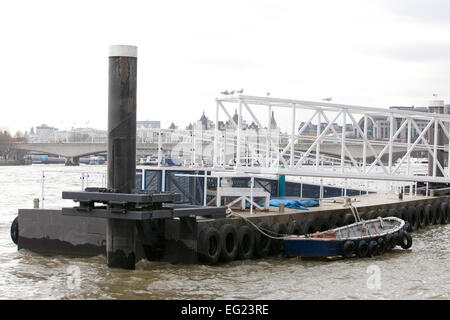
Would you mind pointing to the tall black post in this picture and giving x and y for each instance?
(120, 234)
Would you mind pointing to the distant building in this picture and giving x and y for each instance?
(147, 124)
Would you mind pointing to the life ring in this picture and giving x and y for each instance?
(413, 219)
(15, 230)
(279, 230)
(246, 243)
(442, 213)
(421, 216)
(229, 237)
(347, 249)
(294, 228)
(262, 242)
(209, 245)
(405, 240)
(373, 248)
(348, 219)
(363, 249)
(381, 246)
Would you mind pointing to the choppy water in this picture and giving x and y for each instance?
(423, 272)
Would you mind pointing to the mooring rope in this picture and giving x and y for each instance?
(261, 230)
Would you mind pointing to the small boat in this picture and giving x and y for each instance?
(362, 238)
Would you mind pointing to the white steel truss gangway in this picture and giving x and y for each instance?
(362, 155)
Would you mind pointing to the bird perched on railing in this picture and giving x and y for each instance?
(240, 91)
(327, 99)
(225, 92)
(232, 92)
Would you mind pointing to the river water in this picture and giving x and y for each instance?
(423, 272)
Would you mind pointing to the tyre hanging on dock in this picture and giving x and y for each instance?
(434, 213)
(390, 241)
(246, 243)
(373, 248)
(15, 230)
(442, 213)
(347, 249)
(446, 215)
(427, 213)
(421, 216)
(403, 214)
(413, 219)
(363, 249)
(393, 212)
(229, 237)
(294, 228)
(405, 240)
(381, 246)
(262, 242)
(348, 219)
(279, 230)
(308, 227)
(209, 245)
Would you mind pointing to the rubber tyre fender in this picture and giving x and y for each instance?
(15, 230)
(363, 249)
(333, 221)
(381, 245)
(390, 241)
(421, 216)
(308, 227)
(348, 219)
(373, 248)
(445, 217)
(443, 213)
(294, 228)
(209, 245)
(433, 213)
(262, 242)
(246, 243)
(320, 224)
(347, 249)
(406, 240)
(279, 230)
(403, 213)
(392, 213)
(427, 213)
(382, 213)
(229, 236)
(413, 219)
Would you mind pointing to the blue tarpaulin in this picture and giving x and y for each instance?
(294, 204)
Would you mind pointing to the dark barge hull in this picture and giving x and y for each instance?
(176, 240)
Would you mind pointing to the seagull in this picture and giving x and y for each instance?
(225, 92)
(240, 91)
(434, 94)
(232, 92)
(268, 93)
(327, 99)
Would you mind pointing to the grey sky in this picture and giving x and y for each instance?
(363, 52)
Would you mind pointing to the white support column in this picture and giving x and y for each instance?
(391, 140)
(216, 138)
(159, 148)
(436, 133)
(205, 187)
(163, 180)
(292, 137)
(344, 121)
(409, 146)
(365, 144)
(269, 138)
(318, 142)
(238, 142)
